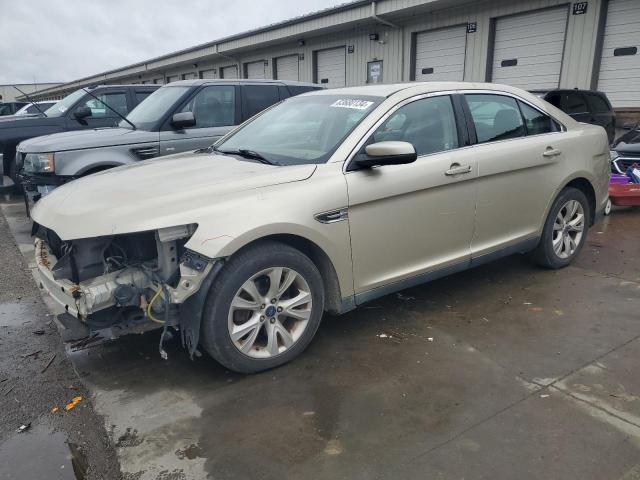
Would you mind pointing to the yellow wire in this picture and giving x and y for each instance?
(153, 299)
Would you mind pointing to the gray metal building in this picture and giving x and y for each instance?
(533, 44)
(10, 94)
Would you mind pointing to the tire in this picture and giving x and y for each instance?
(607, 208)
(253, 319)
(556, 228)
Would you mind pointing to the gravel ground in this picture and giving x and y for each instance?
(36, 377)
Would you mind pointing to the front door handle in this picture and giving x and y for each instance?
(551, 152)
(457, 169)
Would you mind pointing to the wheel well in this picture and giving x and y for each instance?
(585, 187)
(333, 297)
(101, 168)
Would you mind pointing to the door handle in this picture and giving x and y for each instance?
(551, 152)
(457, 169)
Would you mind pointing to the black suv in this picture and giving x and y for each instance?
(587, 106)
(78, 110)
(10, 108)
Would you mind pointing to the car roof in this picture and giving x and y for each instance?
(240, 81)
(568, 90)
(415, 88)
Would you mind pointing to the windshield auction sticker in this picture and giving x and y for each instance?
(351, 103)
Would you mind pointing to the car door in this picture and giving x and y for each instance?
(101, 116)
(408, 220)
(216, 111)
(519, 150)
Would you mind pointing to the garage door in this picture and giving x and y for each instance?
(189, 76)
(619, 75)
(229, 72)
(287, 68)
(172, 78)
(211, 73)
(331, 67)
(528, 49)
(256, 70)
(439, 54)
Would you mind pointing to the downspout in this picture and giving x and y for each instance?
(380, 20)
(235, 60)
(392, 25)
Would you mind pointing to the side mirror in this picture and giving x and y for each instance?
(387, 153)
(183, 120)
(82, 112)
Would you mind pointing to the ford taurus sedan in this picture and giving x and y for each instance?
(320, 204)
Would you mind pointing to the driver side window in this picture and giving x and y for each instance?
(213, 106)
(428, 124)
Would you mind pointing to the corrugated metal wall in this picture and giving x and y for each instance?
(351, 28)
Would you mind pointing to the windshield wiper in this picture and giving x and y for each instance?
(246, 153)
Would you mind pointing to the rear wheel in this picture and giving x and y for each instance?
(607, 208)
(565, 230)
(264, 308)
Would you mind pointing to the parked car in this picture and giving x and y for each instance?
(36, 109)
(181, 116)
(588, 106)
(78, 110)
(625, 151)
(10, 108)
(321, 203)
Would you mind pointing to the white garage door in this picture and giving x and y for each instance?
(440, 54)
(256, 70)
(619, 74)
(528, 49)
(229, 72)
(208, 73)
(331, 67)
(189, 76)
(287, 68)
(172, 78)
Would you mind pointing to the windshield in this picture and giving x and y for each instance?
(301, 130)
(60, 108)
(151, 110)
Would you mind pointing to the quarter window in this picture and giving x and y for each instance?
(428, 124)
(495, 117)
(536, 121)
(213, 106)
(598, 104)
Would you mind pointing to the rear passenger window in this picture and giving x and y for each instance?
(536, 121)
(495, 117)
(598, 104)
(213, 106)
(428, 124)
(258, 97)
(115, 100)
(140, 96)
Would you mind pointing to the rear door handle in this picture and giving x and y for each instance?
(551, 152)
(457, 169)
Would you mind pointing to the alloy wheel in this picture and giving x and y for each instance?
(269, 312)
(568, 229)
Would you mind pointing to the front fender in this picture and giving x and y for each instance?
(74, 163)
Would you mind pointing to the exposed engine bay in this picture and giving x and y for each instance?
(136, 281)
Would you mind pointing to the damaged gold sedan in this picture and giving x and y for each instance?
(319, 204)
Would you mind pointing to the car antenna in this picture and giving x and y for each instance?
(112, 109)
(30, 100)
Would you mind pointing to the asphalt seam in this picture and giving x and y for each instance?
(537, 392)
(594, 405)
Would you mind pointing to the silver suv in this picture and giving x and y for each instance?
(321, 203)
(179, 117)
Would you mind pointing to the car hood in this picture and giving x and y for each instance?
(629, 142)
(167, 191)
(12, 121)
(83, 139)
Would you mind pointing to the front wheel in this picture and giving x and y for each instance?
(565, 230)
(264, 308)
